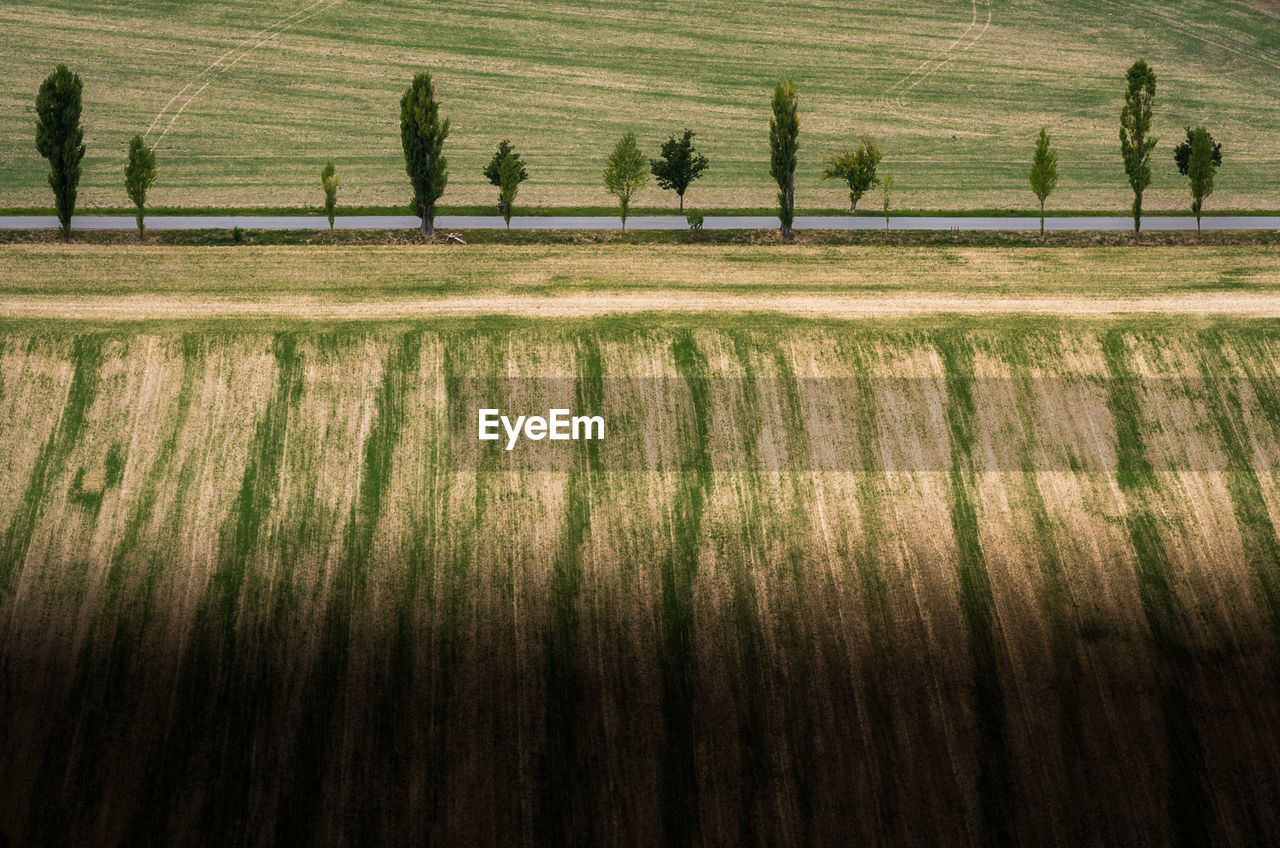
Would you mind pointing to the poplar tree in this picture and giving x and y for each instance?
(60, 139)
(1044, 172)
(139, 174)
(329, 182)
(509, 178)
(1201, 167)
(784, 133)
(422, 134)
(492, 171)
(1136, 142)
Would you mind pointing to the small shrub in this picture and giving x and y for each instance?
(695, 219)
(237, 235)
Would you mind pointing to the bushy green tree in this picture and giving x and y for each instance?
(784, 135)
(139, 174)
(492, 171)
(1044, 172)
(625, 173)
(1136, 142)
(60, 139)
(422, 134)
(1182, 153)
(509, 180)
(857, 168)
(1202, 165)
(679, 165)
(329, 182)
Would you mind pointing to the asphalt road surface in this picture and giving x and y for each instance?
(667, 222)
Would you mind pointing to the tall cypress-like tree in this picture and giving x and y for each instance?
(329, 183)
(679, 165)
(510, 174)
(1182, 153)
(139, 174)
(1044, 172)
(60, 139)
(1136, 142)
(1202, 164)
(784, 133)
(422, 134)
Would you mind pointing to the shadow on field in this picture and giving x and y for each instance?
(787, 734)
(254, 592)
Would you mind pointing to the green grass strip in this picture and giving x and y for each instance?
(47, 825)
(214, 646)
(302, 806)
(87, 362)
(564, 776)
(679, 796)
(1188, 802)
(100, 686)
(1252, 516)
(995, 783)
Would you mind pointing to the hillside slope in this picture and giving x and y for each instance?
(247, 100)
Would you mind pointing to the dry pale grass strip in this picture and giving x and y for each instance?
(129, 309)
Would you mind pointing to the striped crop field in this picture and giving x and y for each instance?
(917, 582)
(245, 100)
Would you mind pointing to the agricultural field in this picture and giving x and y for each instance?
(902, 580)
(245, 101)
(310, 283)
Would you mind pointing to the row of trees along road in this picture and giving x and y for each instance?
(1198, 158)
(60, 140)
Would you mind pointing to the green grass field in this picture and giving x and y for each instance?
(914, 581)
(246, 100)
(354, 275)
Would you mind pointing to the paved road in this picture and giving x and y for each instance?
(669, 222)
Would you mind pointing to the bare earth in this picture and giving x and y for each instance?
(897, 305)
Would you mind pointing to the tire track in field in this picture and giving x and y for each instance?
(1189, 31)
(218, 61)
(894, 97)
(217, 67)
